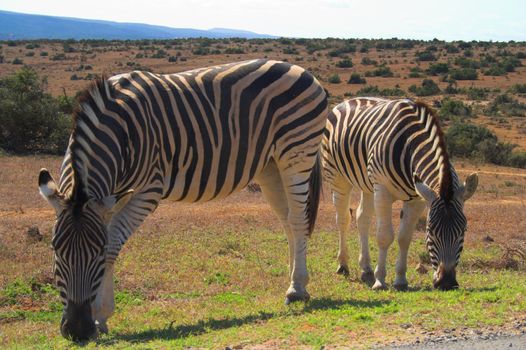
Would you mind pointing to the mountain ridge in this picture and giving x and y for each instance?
(22, 26)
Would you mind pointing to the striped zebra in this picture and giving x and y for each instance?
(394, 150)
(192, 137)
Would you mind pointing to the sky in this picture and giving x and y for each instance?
(449, 20)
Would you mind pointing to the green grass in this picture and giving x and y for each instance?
(212, 289)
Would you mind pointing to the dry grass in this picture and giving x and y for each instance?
(217, 272)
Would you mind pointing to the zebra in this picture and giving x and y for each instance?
(193, 136)
(395, 150)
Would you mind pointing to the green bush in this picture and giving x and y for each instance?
(334, 79)
(518, 89)
(425, 56)
(495, 70)
(475, 93)
(356, 79)
(345, 63)
(467, 140)
(454, 110)
(32, 120)
(463, 74)
(477, 141)
(438, 68)
(18, 61)
(373, 90)
(428, 88)
(505, 105)
(366, 61)
(382, 71)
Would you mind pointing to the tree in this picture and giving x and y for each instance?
(31, 120)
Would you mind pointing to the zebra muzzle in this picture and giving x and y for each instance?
(446, 279)
(77, 323)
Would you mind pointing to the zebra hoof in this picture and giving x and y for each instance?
(295, 296)
(401, 287)
(368, 278)
(379, 286)
(343, 270)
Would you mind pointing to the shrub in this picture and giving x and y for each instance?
(475, 93)
(346, 63)
(495, 70)
(334, 79)
(172, 59)
(366, 61)
(476, 141)
(466, 63)
(505, 105)
(518, 89)
(31, 119)
(438, 68)
(425, 56)
(428, 88)
(518, 160)
(415, 72)
(454, 110)
(369, 90)
(18, 61)
(382, 71)
(356, 79)
(452, 49)
(240, 51)
(463, 74)
(58, 57)
(373, 90)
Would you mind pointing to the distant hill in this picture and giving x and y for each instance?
(16, 26)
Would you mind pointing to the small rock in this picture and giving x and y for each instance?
(405, 325)
(488, 238)
(34, 234)
(421, 269)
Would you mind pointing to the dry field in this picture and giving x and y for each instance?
(68, 66)
(215, 274)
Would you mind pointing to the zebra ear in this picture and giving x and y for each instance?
(111, 205)
(470, 186)
(49, 191)
(424, 190)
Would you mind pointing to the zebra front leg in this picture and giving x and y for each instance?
(341, 197)
(409, 215)
(383, 202)
(364, 215)
(104, 303)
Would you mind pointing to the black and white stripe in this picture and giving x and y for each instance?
(193, 136)
(390, 149)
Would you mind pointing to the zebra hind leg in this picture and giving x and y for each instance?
(341, 192)
(273, 192)
(296, 185)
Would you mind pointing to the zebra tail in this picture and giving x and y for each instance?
(315, 187)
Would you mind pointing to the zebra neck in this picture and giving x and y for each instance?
(430, 160)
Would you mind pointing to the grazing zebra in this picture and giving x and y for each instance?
(395, 150)
(193, 136)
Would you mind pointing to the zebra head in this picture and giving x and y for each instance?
(446, 226)
(79, 244)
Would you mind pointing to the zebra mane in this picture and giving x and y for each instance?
(97, 87)
(446, 179)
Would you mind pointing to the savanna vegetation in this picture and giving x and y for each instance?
(214, 275)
